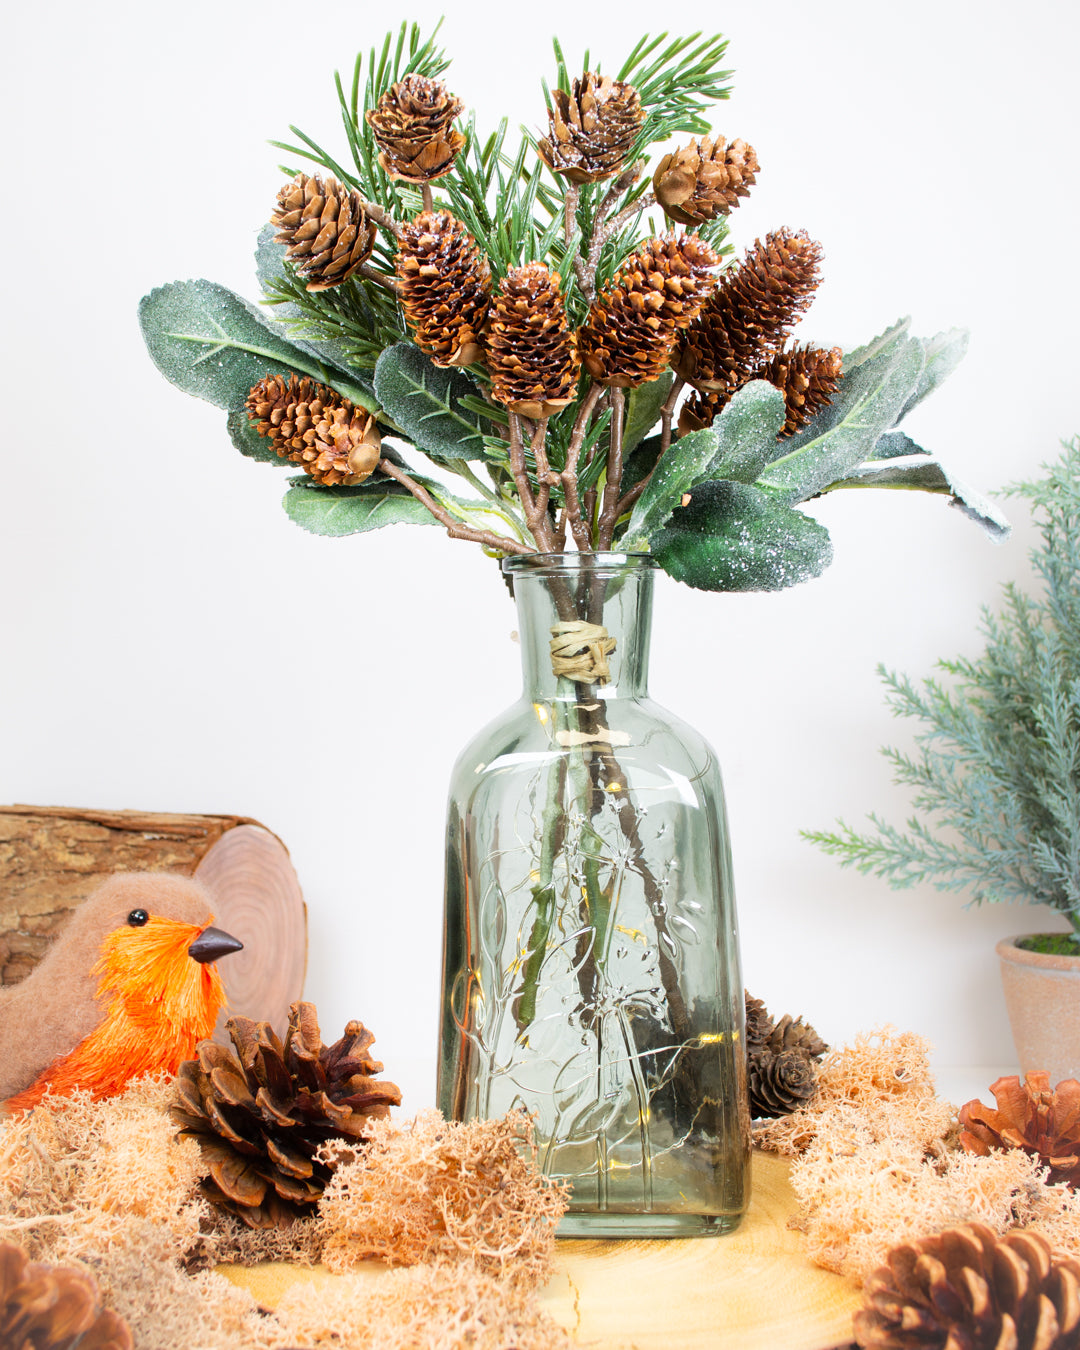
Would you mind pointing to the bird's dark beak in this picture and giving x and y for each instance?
(212, 943)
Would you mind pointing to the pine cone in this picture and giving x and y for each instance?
(260, 1113)
(631, 329)
(779, 1083)
(808, 377)
(311, 425)
(326, 230)
(53, 1308)
(967, 1289)
(446, 288)
(531, 353)
(758, 1022)
(591, 130)
(1042, 1121)
(705, 179)
(748, 316)
(795, 1034)
(412, 127)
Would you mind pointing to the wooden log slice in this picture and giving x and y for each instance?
(257, 898)
(754, 1289)
(52, 858)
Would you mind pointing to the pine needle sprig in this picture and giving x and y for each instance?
(362, 318)
(997, 765)
(677, 85)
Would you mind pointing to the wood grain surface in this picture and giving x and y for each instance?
(753, 1289)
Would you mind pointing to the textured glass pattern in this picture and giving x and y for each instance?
(591, 955)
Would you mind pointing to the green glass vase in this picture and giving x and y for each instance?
(591, 964)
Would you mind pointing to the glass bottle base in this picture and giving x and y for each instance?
(609, 1225)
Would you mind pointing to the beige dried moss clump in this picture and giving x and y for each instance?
(433, 1188)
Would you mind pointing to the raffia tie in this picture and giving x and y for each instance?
(579, 651)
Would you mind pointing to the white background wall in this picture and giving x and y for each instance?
(171, 641)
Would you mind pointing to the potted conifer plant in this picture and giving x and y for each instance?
(996, 775)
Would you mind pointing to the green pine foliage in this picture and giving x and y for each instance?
(996, 772)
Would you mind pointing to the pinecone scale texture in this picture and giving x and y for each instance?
(1032, 1116)
(704, 179)
(592, 129)
(325, 229)
(968, 1289)
(311, 425)
(412, 126)
(631, 330)
(531, 352)
(45, 1307)
(262, 1109)
(445, 288)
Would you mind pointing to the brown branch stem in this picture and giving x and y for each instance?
(384, 218)
(570, 475)
(382, 279)
(537, 520)
(426, 197)
(500, 542)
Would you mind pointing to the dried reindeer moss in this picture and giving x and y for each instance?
(441, 1306)
(882, 1083)
(877, 1163)
(107, 1186)
(433, 1189)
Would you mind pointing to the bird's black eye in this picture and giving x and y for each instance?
(138, 917)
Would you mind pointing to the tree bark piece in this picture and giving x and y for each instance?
(52, 858)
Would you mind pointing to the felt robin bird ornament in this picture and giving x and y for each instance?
(128, 988)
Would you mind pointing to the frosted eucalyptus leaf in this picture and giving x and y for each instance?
(247, 440)
(888, 341)
(894, 445)
(746, 432)
(734, 537)
(339, 510)
(942, 354)
(927, 475)
(643, 410)
(424, 401)
(685, 463)
(845, 433)
(288, 317)
(211, 343)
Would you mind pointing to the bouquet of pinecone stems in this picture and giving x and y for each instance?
(566, 382)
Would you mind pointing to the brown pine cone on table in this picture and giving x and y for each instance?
(758, 1022)
(1041, 1120)
(45, 1307)
(261, 1111)
(779, 1083)
(592, 129)
(967, 1289)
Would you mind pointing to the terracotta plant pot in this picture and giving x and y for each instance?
(1042, 995)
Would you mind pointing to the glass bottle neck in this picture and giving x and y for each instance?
(584, 624)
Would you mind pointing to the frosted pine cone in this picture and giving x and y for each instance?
(705, 179)
(412, 126)
(592, 129)
(531, 353)
(751, 312)
(311, 425)
(445, 288)
(632, 328)
(325, 228)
